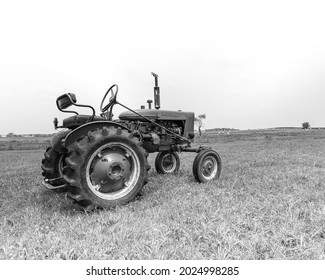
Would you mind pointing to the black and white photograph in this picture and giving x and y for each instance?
(188, 136)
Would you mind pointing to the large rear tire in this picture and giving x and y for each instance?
(52, 166)
(106, 168)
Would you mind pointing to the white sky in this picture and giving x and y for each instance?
(245, 64)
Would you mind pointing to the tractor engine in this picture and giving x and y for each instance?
(146, 127)
(157, 136)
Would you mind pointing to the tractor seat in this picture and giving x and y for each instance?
(78, 120)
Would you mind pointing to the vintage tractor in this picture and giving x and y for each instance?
(102, 162)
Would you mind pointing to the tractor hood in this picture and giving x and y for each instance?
(154, 114)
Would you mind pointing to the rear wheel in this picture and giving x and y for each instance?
(52, 166)
(167, 162)
(207, 166)
(108, 167)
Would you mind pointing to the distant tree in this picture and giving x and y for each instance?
(10, 134)
(305, 125)
(199, 122)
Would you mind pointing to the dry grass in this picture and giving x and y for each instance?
(268, 204)
(24, 143)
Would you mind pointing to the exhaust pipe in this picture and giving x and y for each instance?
(156, 92)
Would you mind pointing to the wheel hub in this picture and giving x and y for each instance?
(110, 170)
(115, 170)
(168, 162)
(209, 167)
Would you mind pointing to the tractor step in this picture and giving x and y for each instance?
(48, 183)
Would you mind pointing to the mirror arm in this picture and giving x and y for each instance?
(65, 111)
(88, 106)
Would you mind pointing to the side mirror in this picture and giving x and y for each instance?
(66, 100)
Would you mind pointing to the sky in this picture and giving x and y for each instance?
(245, 64)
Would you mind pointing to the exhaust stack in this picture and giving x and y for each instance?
(156, 92)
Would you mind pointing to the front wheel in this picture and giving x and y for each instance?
(207, 166)
(167, 162)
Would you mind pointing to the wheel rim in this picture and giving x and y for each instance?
(169, 163)
(112, 171)
(209, 168)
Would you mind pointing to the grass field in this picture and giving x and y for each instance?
(268, 204)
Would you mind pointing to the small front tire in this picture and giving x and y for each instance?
(207, 166)
(167, 162)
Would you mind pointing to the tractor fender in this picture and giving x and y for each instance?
(56, 140)
(83, 130)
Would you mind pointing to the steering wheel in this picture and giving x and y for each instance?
(112, 99)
